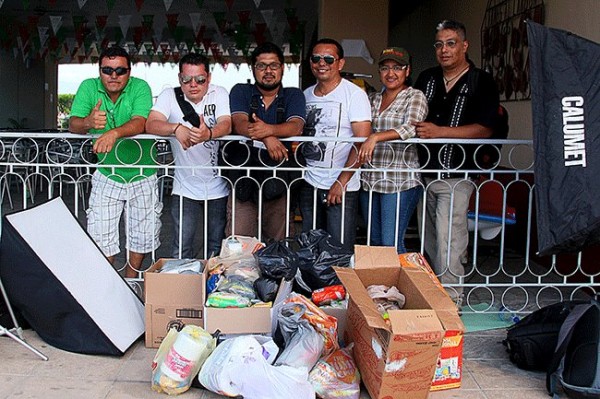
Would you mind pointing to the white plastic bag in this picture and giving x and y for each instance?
(179, 359)
(303, 344)
(238, 367)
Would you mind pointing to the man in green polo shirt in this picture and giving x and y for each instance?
(116, 106)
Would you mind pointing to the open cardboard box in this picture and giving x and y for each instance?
(397, 359)
(251, 320)
(171, 300)
(448, 373)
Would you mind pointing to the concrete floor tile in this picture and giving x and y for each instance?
(36, 387)
(494, 374)
(10, 383)
(485, 347)
(457, 394)
(517, 394)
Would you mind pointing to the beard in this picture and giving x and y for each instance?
(268, 87)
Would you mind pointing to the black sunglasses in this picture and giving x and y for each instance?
(120, 71)
(185, 79)
(316, 58)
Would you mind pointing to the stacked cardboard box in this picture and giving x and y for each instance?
(172, 300)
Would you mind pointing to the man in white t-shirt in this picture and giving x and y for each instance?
(335, 109)
(196, 182)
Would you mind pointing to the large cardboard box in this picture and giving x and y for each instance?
(171, 300)
(396, 359)
(448, 373)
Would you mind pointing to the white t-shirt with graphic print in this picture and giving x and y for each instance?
(193, 181)
(332, 116)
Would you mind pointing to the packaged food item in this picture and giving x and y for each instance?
(227, 300)
(324, 296)
(336, 376)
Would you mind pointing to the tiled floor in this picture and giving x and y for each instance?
(487, 373)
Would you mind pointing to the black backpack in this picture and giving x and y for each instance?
(530, 343)
(576, 360)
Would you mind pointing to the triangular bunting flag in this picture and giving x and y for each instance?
(124, 21)
(229, 4)
(168, 4)
(267, 16)
(55, 22)
(110, 4)
(43, 34)
(257, 2)
(139, 4)
(195, 18)
(1, 2)
(81, 3)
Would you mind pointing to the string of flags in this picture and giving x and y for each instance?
(226, 33)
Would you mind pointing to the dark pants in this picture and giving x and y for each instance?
(192, 215)
(329, 218)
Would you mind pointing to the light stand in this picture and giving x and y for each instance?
(18, 335)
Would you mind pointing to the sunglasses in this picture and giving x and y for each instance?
(186, 79)
(120, 71)
(316, 58)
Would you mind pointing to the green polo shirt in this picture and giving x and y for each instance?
(136, 99)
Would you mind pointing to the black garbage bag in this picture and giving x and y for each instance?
(277, 261)
(317, 255)
(266, 288)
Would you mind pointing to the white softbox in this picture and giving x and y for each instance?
(63, 285)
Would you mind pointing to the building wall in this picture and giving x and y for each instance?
(23, 93)
(416, 32)
(367, 20)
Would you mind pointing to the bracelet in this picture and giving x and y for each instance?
(176, 127)
(209, 133)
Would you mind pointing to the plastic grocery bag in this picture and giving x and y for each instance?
(303, 345)
(323, 323)
(336, 376)
(277, 261)
(238, 367)
(318, 253)
(179, 358)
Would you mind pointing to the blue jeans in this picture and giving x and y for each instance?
(193, 213)
(329, 218)
(387, 213)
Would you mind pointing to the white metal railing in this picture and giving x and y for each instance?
(501, 267)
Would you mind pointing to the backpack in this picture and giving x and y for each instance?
(576, 360)
(530, 342)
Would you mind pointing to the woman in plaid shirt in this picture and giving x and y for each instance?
(388, 198)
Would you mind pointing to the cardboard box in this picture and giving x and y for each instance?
(252, 320)
(341, 315)
(448, 373)
(171, 300)
(396, 360)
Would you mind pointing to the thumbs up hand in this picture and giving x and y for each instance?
(97, 118)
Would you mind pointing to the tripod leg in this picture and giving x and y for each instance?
(4, 331)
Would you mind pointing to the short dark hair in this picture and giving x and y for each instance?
(114, 51)
(326, 40)
(456, 26)
(267, 48)
(194, 59)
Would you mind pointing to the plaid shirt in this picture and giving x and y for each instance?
(410, 105)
